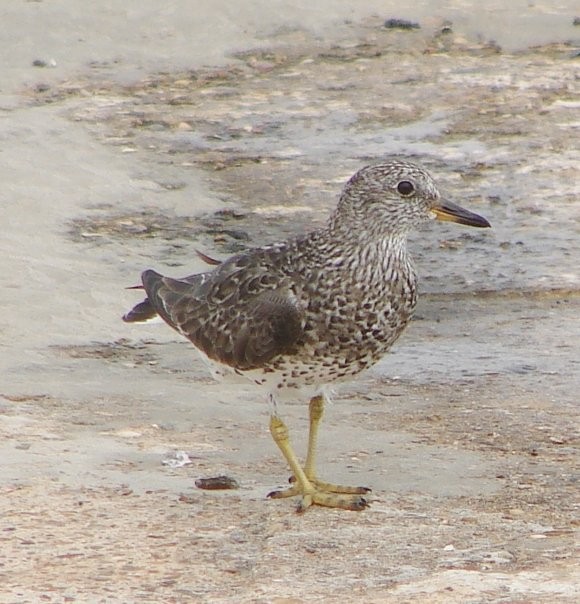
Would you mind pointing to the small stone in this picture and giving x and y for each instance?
(42, 63)
(446, 27)
(400, 24)
(217, 483)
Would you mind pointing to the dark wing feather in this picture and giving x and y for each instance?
(140, 313)
(272, 325)
(144, 311)
(208, 259)
(242, 320)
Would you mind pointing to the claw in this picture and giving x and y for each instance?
(349, 499)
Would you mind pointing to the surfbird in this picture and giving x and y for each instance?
(319, 308)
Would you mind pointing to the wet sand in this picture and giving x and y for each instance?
(150, 133)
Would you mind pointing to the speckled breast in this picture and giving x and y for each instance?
(348, 330)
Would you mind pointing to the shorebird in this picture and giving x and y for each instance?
(313, 310)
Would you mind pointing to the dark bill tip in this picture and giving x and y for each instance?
(451, 212)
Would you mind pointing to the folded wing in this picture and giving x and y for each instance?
(241, 320)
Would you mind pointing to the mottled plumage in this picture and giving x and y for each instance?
(319, 307)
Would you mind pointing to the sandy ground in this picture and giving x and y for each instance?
(143, 133)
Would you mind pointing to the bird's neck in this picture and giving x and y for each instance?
(355, 250)
(369, 236)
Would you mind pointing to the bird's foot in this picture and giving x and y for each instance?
(316, 492)
(336, 488)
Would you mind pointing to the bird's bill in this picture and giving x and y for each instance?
(451, 212)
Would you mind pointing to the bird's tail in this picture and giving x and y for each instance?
(145, 311)
(140, 313)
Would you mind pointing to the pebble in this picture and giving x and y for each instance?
(400, 24)
(217, 483)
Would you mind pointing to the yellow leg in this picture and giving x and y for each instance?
(316, 409)
(306, 484)
(303, 486)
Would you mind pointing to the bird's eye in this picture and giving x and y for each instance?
(405, 188)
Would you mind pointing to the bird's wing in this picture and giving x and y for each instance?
(242, 320)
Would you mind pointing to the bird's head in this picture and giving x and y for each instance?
(395, 196)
